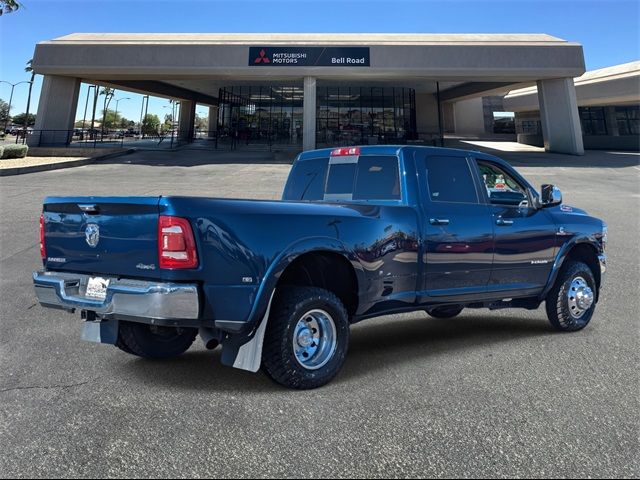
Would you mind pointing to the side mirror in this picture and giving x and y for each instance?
(551, 196)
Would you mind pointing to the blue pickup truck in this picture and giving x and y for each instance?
(360, 232)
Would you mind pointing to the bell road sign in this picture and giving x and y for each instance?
(309, 56)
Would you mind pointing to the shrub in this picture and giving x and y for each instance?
(1, 150)
(14, 151)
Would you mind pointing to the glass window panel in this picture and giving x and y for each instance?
(307, 180)
(377, 178)
(449, 180)
(341, 177)
(502, 189)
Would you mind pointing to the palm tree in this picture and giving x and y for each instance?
(108, 95)
(29, 69)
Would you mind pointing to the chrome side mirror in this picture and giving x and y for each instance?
(550, 196)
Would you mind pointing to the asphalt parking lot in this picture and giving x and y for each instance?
(489, 394)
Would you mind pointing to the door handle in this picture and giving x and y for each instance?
(502, 222)
(439, 221)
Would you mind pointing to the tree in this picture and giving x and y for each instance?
(4, 112)
(108, 95)
(21, 119)
(8, 6)
(150, 124)
(29, 69)
(110, 119)
(202, 123)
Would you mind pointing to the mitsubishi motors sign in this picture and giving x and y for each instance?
(309, 56)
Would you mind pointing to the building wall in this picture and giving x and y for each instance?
(426, 113)
(469, 117)
(600, 128)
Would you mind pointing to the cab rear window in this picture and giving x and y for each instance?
(307, 180)
(371, 177)
(377, 178)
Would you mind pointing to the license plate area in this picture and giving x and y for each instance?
(97, 288)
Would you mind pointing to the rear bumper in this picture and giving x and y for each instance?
(144, 301)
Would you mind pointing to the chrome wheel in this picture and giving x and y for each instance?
(314, 339)
(580, 297)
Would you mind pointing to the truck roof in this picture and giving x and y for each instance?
(392, 150)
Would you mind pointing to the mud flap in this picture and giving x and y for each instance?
(105, 331)
(237, 352)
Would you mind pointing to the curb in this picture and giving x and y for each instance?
(5, 172)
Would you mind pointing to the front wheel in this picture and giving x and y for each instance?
(150, 341)
(307, 338)
(571, 302)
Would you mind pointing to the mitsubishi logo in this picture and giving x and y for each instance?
(92, 235)
(262, 58)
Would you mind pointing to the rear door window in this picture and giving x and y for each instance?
(450, 180)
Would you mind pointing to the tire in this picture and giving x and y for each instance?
(311, 316)
(448, 311)
(148, 341)
(566, 303)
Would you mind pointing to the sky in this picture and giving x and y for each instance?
(607, 29)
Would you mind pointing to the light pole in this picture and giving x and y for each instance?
(124, 98)
(13, 85)
(144, 99)
(201, 115)
(172, 105)
(86, 104)
(116, 118)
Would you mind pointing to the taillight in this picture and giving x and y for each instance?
(43, 250)
(176, 245)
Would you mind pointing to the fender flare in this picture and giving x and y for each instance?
(244, 351)
(562, 255)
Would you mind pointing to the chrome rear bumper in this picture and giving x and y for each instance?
(126, 298)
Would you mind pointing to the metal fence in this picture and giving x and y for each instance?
(96, 139)
(223, 140)
(220, 140)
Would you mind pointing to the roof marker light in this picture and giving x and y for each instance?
(345, 151)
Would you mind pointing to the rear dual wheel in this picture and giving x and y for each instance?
(151, 341)
(307, 338)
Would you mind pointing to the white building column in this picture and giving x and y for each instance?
(561, 129)
(56, 111)
(309, 114)
(187, 120)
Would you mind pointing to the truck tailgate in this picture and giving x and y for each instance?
(107, 235)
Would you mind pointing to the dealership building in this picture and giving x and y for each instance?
(608, 107)
(314, 90)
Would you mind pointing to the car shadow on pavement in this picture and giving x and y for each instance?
(381, 346)
(373, 346)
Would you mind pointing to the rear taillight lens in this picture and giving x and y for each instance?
(43, 250)
(176, 245)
